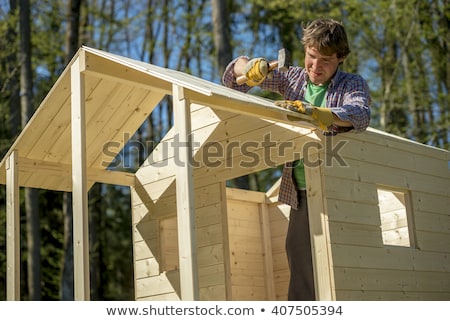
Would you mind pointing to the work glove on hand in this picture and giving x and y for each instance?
(256, 71)
(323, 116)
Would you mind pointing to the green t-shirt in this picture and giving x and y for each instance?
(315, 95)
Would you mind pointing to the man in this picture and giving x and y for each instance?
(341, 103)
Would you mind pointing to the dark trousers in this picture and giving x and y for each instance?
(298, 249)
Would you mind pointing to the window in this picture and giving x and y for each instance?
(396, 217)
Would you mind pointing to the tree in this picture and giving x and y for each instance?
(31, 196)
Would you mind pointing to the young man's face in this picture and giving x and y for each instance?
(320, 68)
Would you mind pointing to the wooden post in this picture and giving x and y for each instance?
(12, 228)
(185, 197)
(267, 250)
(79, 185)
(318, 225)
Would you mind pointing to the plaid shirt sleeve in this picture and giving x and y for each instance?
(229, 78)
(348, 97)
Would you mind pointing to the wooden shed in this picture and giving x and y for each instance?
(379, 204)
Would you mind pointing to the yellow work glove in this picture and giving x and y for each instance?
(323, 116)
(256, 71)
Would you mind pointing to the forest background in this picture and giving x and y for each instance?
(399, 46)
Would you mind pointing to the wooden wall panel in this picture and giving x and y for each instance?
(246, 251)
(156, 246)
(279, 220)
(365, 268)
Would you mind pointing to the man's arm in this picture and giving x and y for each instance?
(341, 123)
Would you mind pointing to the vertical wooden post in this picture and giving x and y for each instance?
(12, 228)
(185, 197)
(318, 226)
(267, 250)
(79, 185)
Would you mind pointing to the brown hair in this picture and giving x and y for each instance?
(327, 36)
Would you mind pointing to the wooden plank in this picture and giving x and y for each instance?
(203, 196)
(431, 222)
(210, 255)
(433, 241)
(394, 142)
(12, 227)
(248, 293)
(355, 234)
(163, 284)
(79, 183)
(354, 278)
(103, 98)
(226, 241)
(368, 172)
(391, 296)
(431, 203)
(279, 221)
(320, 235)
(353, 211)
(145, 230)
(106, 68)
(390, 257)
(52, 145)
(168, 243)
(211, 275)
(145, 268)
(367, 152)
(213, 293)
(209, 235)
(172, 296)
(267, 251)
(110, 177)
(348, 190)
(141, 105)
(146, 249)
(47, 169)
(44, 115)
(201, 117)
(185, 198)
(250, 105)
(60, 123)
(245, 195)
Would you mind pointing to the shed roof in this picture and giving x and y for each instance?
(120, 94)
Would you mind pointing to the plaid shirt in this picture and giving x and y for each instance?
(347, 96)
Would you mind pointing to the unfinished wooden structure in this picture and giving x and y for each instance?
(379, 204)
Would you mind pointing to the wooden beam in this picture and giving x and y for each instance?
(320, 238)
(267, 250)
(12, 228)
(79, 182)
(185, 197)
(106, 68)
(98, 175)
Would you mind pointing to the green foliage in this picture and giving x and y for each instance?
(52, 239)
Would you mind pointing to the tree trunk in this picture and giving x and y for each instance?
(72, 32)
(13, 79)
(67, 278)
(221, 29)
(31, 196)
(223, 49)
